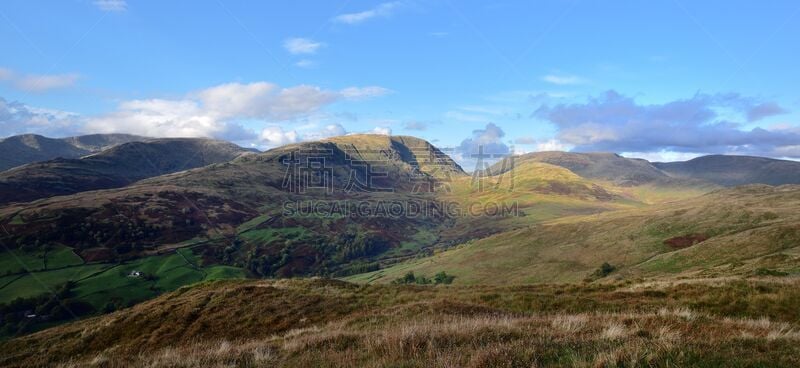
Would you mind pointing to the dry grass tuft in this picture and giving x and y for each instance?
(310, 323)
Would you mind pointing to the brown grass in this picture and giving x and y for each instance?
(301, 323)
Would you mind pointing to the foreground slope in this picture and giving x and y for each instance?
(737, 231)
(27, 148)
(327, 323)
(116, 167)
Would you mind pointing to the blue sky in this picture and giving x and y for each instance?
(661, 80)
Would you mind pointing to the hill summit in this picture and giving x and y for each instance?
(22, 149)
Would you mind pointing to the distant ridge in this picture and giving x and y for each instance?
(26, 148)
(603, 166)
(721, 170)
(112, 168)
(735, 170)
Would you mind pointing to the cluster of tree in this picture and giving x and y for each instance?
(439, 278)
(326, 256)
(605, 270)
(266, 265)
(228, 253)
(122, 233)
(353, 244)
(22, 315)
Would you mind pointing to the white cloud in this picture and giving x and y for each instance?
(159, 118)
(17, 118)
(38, 83)
(218, 111)
(616, 123)
(111, 5)
(552, 145)
(382, 131)
(291, 114)
(298, 45)
(563, 79)
(361, 93)
(330, 130)
(382, 10)
(305, 63)
(663, 156)
(274, 136)
(41, 83)
(488, 140)
(264, 100)
(543, 144)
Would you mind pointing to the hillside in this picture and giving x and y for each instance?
(534, 191)
(239, 205)
(22, 149)
(735, 170)
(328, 323)
(115, 167)
(328, 208)
(741, 231)
(597, 166)
(248, 217)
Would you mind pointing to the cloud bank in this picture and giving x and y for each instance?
(17, 118)
(488, 140)
(220, 111)
(217, 111)
(616, 123)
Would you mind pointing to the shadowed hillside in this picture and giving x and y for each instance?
(237, 209)
(22, 149)
(116, 167)
(735, 170)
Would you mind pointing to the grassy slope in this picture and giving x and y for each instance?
(747, 228)
(704, 323)
(14, 261)
(101, 283)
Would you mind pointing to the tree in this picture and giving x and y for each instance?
(443, 278)
(409, 278)
(604, 270)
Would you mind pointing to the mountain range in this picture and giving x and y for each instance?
(23, 149)
(115, 167)
(92, 211)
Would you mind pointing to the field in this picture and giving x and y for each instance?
(16, 261)
(687, 323)
(104, 286)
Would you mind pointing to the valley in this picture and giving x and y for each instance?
(598, 244)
